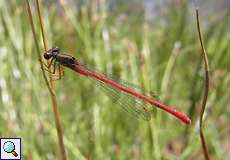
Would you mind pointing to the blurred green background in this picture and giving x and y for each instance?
(153, 44)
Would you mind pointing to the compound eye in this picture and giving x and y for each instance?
(47, 55)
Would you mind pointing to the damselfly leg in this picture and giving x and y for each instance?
(55, 69)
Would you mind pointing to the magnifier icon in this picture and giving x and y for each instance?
(9, 147)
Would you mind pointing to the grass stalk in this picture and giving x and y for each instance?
(49, 85)
(206, 89)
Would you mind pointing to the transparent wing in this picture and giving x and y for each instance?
(120, 81)
(135, 107)
(135, 88)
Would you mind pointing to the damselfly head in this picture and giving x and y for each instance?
(51, 52)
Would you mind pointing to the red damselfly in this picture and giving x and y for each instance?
(132, 101)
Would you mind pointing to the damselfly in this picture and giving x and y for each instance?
(132, 101)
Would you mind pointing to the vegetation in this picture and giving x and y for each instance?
(163, 56)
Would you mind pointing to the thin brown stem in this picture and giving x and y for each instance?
(37, 46)
(41, 24)
(43, 35)
(206, 89)
(49, 86)
(53, 96)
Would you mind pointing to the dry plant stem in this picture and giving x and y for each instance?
(41, 24)
(53, 97)
(43, 37)
(206, 89)
(36, 45)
